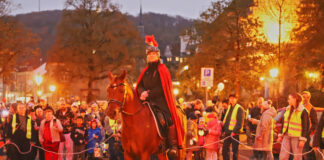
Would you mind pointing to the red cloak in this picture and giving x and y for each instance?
(168, 94)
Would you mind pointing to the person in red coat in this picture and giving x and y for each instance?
(214, 128)
(155, 86)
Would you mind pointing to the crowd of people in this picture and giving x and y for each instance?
(83, 131)
(64, 131)
(214, 127)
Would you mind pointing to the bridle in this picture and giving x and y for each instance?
(122, 104)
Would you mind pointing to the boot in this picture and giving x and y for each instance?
(173, 141)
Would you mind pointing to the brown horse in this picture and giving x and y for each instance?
(139, 137)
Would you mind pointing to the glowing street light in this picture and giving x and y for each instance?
(186, 67)
(274, 72)
(261, 78)
(175, 91)
(52, 88)
(38, 79)
(312, 75)
(220, 86)
(39, 93)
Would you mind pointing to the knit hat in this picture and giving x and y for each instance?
(232, 95)
(48, 108)
(211, 115)
(209, 103)
(37, 107)
(94, 121)
(192, 115)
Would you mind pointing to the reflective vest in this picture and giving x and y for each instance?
(113, 125)
(294, 125)
(247, 113)
(29, 126)
(233, 116)
(323, 133)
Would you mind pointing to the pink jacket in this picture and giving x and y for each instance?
(215, 128)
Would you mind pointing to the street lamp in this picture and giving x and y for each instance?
(38, 79)
(39, 93)
(274, 72)
(175, 91)
(313, 75)
(52, 88)
(220, 86)
(186, 67)
(261, 78)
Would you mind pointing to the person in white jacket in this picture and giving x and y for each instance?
(264, 132)
(49, 134)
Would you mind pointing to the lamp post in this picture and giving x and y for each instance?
(38, 80)
(274, 72)
(313, 76)
(175, 91)
(52, 88)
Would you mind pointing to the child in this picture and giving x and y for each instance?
(214, 128)
(49, 133)
(201, 138)
(79, 135)
(94, 136)
(191, 134)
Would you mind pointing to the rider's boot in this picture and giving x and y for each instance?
(173, 141)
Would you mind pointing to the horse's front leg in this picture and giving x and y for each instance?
(162, 156)
(145, 156)
(127, 156)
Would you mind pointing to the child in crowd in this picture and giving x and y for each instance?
(79, 137)
(94, 136)
(49, 134)
(191, 135)
(214, 129)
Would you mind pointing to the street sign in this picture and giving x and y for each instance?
(207, 77)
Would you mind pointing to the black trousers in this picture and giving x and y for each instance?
(13, 153)
(307, 147)
(226, 147)
(260, 155)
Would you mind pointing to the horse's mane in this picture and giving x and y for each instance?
(133, 92)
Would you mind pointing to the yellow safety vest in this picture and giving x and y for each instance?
(113, 125)
(247, 113)
(233, 117)
(295, 123)
(29, 126)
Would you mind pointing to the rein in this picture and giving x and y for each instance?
(122, 104)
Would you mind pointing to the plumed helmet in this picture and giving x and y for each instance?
(152, 45)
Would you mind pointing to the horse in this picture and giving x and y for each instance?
(139, 136)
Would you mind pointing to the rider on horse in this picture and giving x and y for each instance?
(155, 86)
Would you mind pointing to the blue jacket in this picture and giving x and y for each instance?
(92, 141)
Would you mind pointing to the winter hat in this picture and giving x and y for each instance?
(232, 95)
(211, 115)
(94, 121)
(209, 103)
(48, 108)
(37, 107)
(192, 116)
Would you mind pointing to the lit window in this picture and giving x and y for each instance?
(177, 59)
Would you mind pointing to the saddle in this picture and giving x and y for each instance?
(160, 122)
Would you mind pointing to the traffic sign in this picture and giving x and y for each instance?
(207, 77)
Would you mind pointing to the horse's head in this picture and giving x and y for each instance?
(116, 92)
